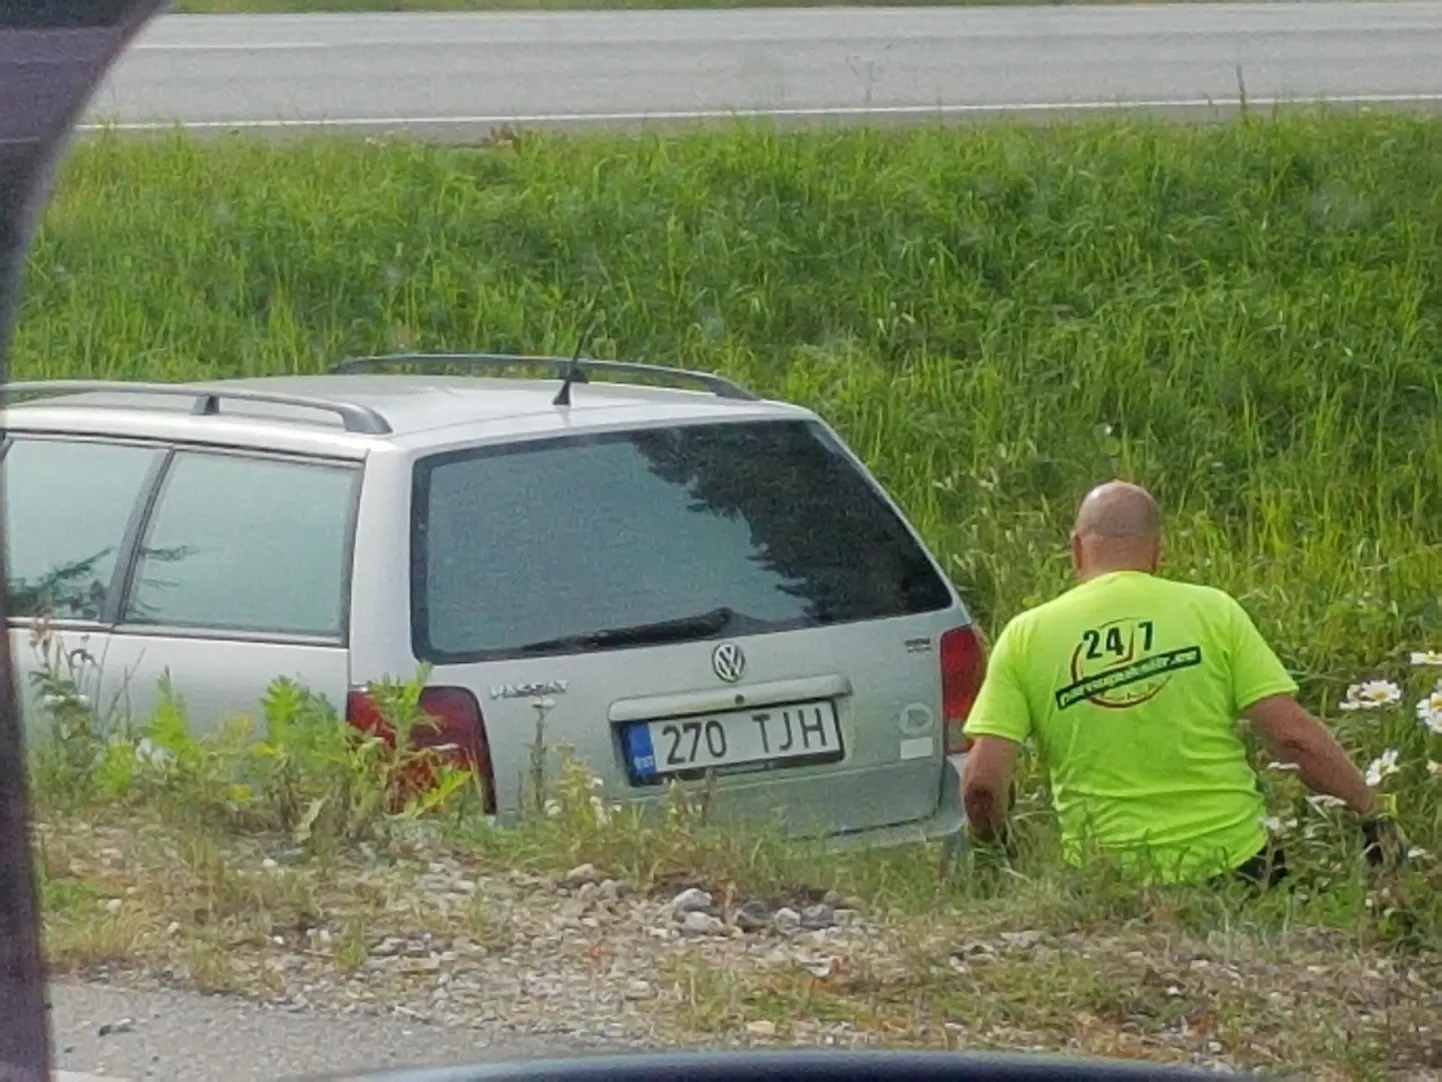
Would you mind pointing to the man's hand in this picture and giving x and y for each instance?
(986, 789)
(1383, 843)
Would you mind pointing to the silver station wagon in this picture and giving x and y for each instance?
(690, 581)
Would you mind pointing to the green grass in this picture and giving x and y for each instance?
(1243, 317)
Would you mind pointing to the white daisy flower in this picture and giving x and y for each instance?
(1286, 768)
(1320, 801)
(600, 810)
(1371, 695)
(157, 755)
(1379, 770)
(1278, 826)
(1429, 711)
(1434, 768)
(1426, 657)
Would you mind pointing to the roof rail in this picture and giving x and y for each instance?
(710, 381)
(356, 418)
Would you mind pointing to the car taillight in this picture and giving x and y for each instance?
(963, 663)
(458, 735)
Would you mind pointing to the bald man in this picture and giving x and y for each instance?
(1131, 686)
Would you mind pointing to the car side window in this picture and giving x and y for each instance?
(246, 544)
(67, 506)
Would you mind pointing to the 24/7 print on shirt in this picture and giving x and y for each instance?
(1113, 665)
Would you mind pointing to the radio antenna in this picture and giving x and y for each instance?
(574, 372)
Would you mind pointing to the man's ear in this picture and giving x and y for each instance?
(1076, 553)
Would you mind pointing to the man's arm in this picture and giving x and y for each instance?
(1267, 696)
(1000, 721)
(986, 786)
(1294, 736)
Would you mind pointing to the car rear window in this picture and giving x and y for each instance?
(528, 543)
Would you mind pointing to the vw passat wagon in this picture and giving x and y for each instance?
(689, 581)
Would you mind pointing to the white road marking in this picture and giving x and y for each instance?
(81, 1076)
(783, 113)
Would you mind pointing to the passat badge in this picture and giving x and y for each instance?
(529, 691)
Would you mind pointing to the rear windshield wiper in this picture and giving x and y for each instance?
(682, 629)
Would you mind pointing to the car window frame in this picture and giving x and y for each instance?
(129, 535)
(132, 556)
(427, 462)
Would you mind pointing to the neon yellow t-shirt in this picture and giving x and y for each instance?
(1131, 686)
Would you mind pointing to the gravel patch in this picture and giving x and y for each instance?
(429, 937)
(440, 942)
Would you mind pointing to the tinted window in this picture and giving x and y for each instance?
(247, 544)
(67, 504)
(543, 541)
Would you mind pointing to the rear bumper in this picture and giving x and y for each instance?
(947, 824)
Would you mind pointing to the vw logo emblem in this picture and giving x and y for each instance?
(728, 662)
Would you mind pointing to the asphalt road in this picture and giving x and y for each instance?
(113, 1034)
(458, 75)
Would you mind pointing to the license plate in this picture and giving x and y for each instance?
(736, 739)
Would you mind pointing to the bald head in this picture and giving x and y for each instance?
(1118, 528)
(1119, 510)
